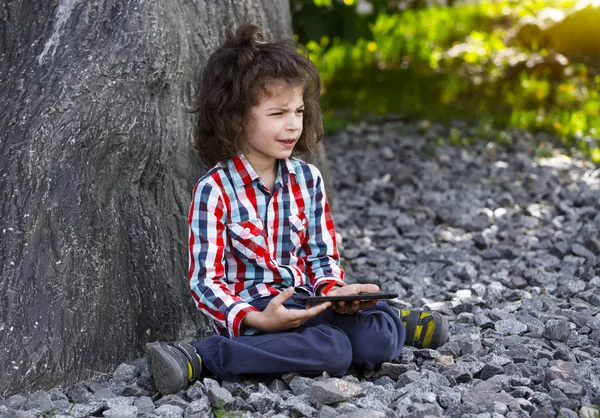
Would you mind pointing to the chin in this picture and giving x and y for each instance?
(283, 155)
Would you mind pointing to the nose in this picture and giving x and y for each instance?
(294, 122)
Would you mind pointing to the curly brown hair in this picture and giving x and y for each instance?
(237, 76)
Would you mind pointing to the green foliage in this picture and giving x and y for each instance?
(444, 63)
(221, 412)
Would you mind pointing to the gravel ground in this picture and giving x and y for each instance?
(504, 244)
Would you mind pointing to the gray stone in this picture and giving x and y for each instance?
(144, 404)
(173, 400)
(486, 392)
(39, 401)
(376, 398)
(571, 390)
(364, 413)
(196, 391)
(567, 413)
(384, 380)
(557, 329)
(300, 385)
(133, 390)
(11, 413)
(447, 398)
(489, 370)
(327, 412)
(169, 411)
(545, 412)
(15, 402)
(118, 401)
(56, 395)
(394, 370)
(101, 393)
(521, 392)
(86, 410)
(278, 385)
(519, 354)
(208, 383)
(298, 406)
(263, 402)
(407, 378)
(240, 404)
(510, 327)
(562, 371)
(333, 391)
(61, 406)
(219, 397)
(426, 410)
(121, 411)
(125, 373)
(198, 407)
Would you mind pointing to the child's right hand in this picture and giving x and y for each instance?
(277, 317)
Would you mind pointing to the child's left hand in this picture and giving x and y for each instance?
(343, 307)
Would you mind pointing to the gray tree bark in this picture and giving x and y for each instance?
(96, 173)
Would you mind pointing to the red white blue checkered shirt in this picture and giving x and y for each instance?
(246, 242)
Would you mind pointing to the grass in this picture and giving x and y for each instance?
(445, 63)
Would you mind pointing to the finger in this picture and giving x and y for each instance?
(365, 288)
(317, 309)
(299, 314)
(367, 305)
(282, 297)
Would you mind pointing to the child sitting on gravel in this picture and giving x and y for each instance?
(261, 234)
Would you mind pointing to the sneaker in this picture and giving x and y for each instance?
(425, 329)
(173, 365)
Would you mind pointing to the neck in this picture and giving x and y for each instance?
(262, 166)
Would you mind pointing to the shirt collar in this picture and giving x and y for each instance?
(243, 173)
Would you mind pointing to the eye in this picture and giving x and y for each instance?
(276, 114)
(300, 111)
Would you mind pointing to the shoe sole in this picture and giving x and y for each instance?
(165, 369)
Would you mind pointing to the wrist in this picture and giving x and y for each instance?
(325, 288)
(252, 320)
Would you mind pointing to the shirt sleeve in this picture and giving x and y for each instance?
(207, 240)
(320, 246)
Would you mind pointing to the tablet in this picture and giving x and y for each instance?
(360, 296)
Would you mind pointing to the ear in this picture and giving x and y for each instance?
(239, 125)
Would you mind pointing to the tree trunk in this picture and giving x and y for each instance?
(96, 173)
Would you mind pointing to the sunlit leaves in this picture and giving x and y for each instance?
(461, 62)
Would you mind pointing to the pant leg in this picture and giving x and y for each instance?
(376, 334)
(311, 349)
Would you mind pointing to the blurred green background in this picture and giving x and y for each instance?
(527, 64)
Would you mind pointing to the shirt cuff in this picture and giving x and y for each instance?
(236, 314)
(323, 281)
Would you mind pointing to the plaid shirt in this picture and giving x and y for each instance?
(246, 242)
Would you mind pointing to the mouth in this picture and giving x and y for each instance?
(287, 142)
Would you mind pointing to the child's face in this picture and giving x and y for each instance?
(276, 126)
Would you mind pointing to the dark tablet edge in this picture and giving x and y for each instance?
(361, 296)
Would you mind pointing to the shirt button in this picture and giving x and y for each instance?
(247, 229)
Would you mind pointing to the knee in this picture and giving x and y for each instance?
(336, 350)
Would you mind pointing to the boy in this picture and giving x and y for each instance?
(261, 234)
